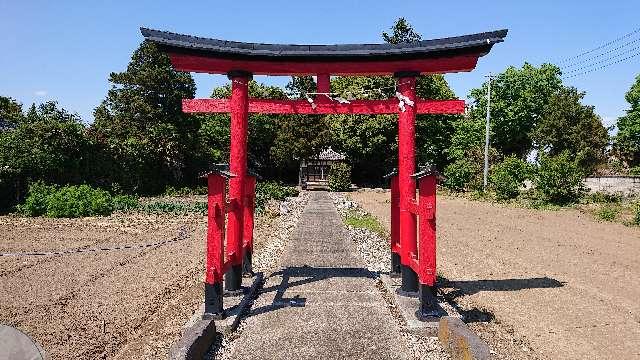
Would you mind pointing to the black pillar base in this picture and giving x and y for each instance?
(213, 306)
(233, 280)
(410, 283)
(395, 265)
(429, 308)
(247, 267)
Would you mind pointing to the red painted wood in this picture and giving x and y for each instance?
(427, 228)
(395, 215)
(407, 167)
(195, 63)
(389, 106)
(215, 266)
(324, 85)
(237, 165)
(249, 207)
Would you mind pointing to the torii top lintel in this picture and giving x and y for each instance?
(197, 54)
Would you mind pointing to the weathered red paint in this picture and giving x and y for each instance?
(215, 266)
(249, 207)
(205, 64)
(395, 216)
(406, 167)
(427, 228)
(237, 166)
(389, 106)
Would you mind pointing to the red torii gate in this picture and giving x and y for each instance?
(416, 261)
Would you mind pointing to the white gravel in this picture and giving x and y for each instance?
(375, 252)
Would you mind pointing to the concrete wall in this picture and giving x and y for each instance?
(613, 184)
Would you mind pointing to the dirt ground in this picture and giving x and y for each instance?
(127, 304)
(537, 284)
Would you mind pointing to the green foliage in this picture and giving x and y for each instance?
(401, 32)
(185, 191)
(627, 140)
(608, 213)
(10, 110)
(140, 124)
(78, 201)
(518, 99)
(270, 190)
(362, 220)
(559, 179)
(173, 208)
(340, 177)
(635, 171)
(36, 202)
(125, 203)
(636, 214)
(567, 125)
(459, 174)
(602, 198)
(507, 177)
(48, 143)
(67, 201)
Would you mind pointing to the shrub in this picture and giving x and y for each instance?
(508, 177)
(78, 201)
(603, 198)
(608, 213)
(459, 175)
(185, 191)
(36, 201)
(266, 191)
(636, 215)
(340, 177)
(125, 203)
(73, 201)
(559, 179)
(172, 207)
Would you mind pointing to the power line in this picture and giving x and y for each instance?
(574, 64)
(601, 46)
(602, 61)
(604, 66)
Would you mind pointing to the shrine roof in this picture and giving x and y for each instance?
(221, 56)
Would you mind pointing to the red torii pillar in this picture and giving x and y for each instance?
(238, 166)
(406, 183)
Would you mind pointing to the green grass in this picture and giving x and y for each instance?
(608, 212)
(365, 221)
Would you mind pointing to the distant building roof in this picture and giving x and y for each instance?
(330, 154)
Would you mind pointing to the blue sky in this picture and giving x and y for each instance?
(65, 50)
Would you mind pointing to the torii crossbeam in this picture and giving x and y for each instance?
(414, 261)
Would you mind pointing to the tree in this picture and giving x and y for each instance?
(49, 144)
(141, 124)
(568, 125)
(10, 110)
(627, 141)
(518, 99)
(370, 142)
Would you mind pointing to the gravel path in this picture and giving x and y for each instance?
(322, 303)
(556, 284)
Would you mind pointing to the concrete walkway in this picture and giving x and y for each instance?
(323, 303)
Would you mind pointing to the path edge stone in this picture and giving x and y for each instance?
(195, 341)
(461, 343)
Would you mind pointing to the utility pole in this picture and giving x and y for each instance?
(486, 136)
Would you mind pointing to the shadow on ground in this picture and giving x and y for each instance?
(452, 290)
(301, 275)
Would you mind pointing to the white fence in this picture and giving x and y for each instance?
(613, 184)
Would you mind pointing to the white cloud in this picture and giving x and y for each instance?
(41, 93)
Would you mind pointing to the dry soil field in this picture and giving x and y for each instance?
(125, 304)
(560, 284)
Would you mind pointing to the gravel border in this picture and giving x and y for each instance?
(374, 250)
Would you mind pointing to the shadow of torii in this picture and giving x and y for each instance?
(452, 290)
(294, 276)
(305, 275)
